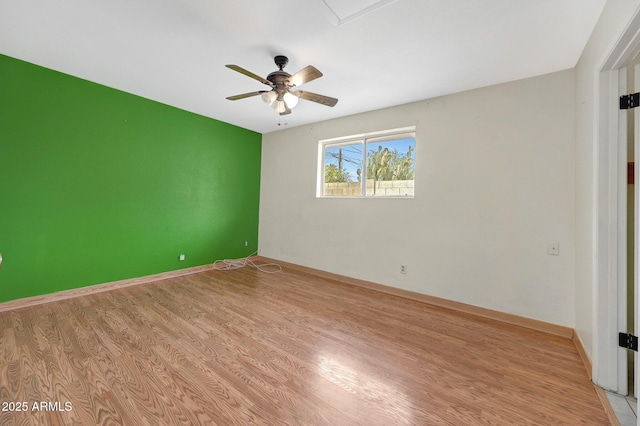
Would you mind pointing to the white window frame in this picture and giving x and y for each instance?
(364, 139)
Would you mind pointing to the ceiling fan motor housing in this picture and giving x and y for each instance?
(280, 78)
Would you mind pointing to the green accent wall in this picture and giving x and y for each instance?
(98, 185)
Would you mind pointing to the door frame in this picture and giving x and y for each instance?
(636, 222)
(609, 368)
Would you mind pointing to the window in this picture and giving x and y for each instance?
(379, 164)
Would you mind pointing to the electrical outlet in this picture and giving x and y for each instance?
(246, 243)
(181, 257)
(403, 269)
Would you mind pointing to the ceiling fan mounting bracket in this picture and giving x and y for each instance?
(281, 61)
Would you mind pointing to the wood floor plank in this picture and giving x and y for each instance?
(242, 347)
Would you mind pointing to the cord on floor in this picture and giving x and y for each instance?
(229, 264)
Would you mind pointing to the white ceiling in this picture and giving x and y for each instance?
(373, 54)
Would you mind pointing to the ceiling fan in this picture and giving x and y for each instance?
(280, 97)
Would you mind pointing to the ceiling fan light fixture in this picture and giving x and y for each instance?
(291, 100)
(269, 97)
(279, 106)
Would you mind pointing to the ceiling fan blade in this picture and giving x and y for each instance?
(249, 74)
(314, 97)
(305, 75)
(246, 95)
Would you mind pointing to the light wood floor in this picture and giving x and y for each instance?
(243, 347)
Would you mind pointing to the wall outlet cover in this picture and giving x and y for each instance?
(553, 249)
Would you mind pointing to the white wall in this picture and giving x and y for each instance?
(612, 23)
(494, 184)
